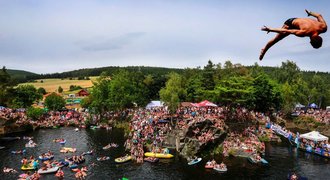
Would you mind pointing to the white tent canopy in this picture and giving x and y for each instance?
(315, 136)
(298, 105)
(154, 104)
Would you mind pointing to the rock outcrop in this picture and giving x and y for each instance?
(189, 143)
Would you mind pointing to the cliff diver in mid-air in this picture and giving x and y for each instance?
(301, 27)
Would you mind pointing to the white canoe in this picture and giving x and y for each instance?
(195, 161)
(221, 169)
(49, 170)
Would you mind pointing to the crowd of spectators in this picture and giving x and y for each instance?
(247, 141)
(319, 115)
(47, 119)
(149, 127)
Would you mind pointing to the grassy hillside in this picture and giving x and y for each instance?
(51, 85)
(110, 70)
(20, 75)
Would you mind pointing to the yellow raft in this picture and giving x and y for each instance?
(123, 159)
(27, 168)
(158, 155)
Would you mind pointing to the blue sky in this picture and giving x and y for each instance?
(55, 36)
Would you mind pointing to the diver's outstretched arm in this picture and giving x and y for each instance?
(318, 16)
(297, 32)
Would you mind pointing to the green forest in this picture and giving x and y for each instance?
(258, 88)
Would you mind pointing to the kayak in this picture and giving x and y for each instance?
(27, 168)
(194, 161)
(47, 171)
(151, 159)
(254, 161)
(45, 158)
(87, 153)
(62, 164)
(158, 155)
(73, 166)
(221, 169)
(106, 147)
(123, 159)
(94, 127)
(30, 145)
(63, 142)
(19, 152)
(264, 161)
(101, 158)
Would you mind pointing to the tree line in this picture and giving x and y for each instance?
(87, 72)
(228, 84)
(262, 89)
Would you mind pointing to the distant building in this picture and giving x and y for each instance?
(46, 95)
(83, 92)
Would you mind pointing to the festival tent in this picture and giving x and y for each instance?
(313, 105)
(299, 106)
(154, 104)
(315, 136)
(204, 103)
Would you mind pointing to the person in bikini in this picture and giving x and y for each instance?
(301, 27)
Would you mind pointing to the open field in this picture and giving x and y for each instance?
(51, 85)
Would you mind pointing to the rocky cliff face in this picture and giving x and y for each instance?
(189, 143)
(10, 126)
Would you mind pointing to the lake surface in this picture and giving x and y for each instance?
(282, 159)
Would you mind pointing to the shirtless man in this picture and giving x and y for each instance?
(300, 27)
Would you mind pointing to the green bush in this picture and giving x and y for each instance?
(264, 138)
(232, 152)
(34, 113)
(74, 87)
(218, 149)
